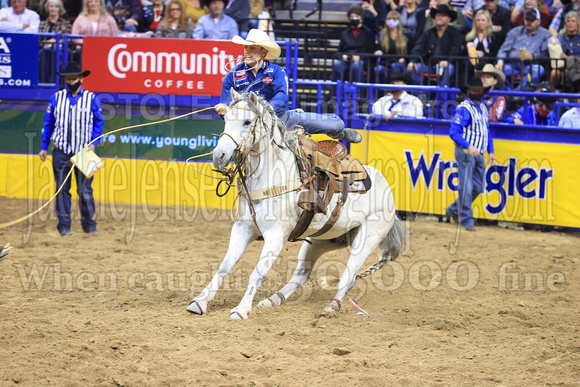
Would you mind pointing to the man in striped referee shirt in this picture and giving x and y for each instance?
(73, 119)
(470, 132)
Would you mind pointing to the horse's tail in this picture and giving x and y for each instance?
(390, 248)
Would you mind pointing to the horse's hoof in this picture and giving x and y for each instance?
(333, 307)
(238, 314)
(265, 303)
(196, 307)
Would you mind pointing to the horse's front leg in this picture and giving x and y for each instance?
(273, 244)
(243, 232)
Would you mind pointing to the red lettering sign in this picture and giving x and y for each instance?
(160, 66)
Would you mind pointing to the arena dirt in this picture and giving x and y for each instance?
(101, 311)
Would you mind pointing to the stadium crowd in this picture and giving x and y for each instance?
(512, 44)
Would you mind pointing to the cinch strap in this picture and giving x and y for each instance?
(275, 190)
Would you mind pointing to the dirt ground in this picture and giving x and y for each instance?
(109, 309)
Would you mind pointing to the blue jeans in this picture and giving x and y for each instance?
(535, 70)
(471, 172)
(313, 123)
(340, 68)
(61, 166)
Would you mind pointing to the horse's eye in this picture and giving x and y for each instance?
(247, 123)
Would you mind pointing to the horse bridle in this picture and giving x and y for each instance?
(231, 173)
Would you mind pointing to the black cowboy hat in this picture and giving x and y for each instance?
(443, 9)
(397, 76)
(475, 83)
(206, 2)
(72, 69)
(547, 101)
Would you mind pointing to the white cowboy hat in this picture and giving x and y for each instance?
(490, 69)
(260, 38)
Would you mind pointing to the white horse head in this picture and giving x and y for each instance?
(249, 124)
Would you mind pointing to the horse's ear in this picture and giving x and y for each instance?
(253, 97)
(234, 93)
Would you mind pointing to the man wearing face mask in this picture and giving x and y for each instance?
(470, 132)
(73, 119)
(356, 39)
(539, 111)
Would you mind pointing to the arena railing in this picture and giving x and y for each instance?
(350, 92)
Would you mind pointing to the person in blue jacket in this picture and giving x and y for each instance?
(470, 132)
(73, 119)
(270, 82)
(539, 112)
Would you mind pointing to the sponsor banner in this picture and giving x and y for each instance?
(532, 183)
(160, 66)
(179, 139)
(18, 61)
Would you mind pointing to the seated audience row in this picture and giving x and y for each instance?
(539, 110)
(96, 18)
(522, 53)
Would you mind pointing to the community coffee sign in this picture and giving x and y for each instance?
(161, 66)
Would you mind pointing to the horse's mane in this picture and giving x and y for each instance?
(290, 138)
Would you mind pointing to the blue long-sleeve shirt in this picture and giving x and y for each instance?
(270, 83)
(72, 134)
(206, 28)
(532, 117)
(463, 119)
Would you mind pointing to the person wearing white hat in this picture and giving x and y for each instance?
(270, 82)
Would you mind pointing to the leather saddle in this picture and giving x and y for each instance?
(328, 169)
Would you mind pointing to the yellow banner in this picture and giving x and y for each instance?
(532, 183)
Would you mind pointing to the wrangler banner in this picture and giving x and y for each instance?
(161, 66)
(533, 182)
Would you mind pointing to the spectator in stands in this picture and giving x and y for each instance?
(524, 44)
(497, 105)
(94, 20)
(173, 24)
(481, 41)
(500, 18)
(571, 119)
(216, 24)
(545, 18)
(239, 10)
(152, 16)
(470, 132)
(18, 18)
(53, 24)
(392, 42)
(127, 13)
(356, 39)
(375, 12)
(558, 20)
(412, 20)
(569, 40)
(194, 9)
(398, 103)
(492, 6)
(458, 21)
(440, 41)
(538, 111)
